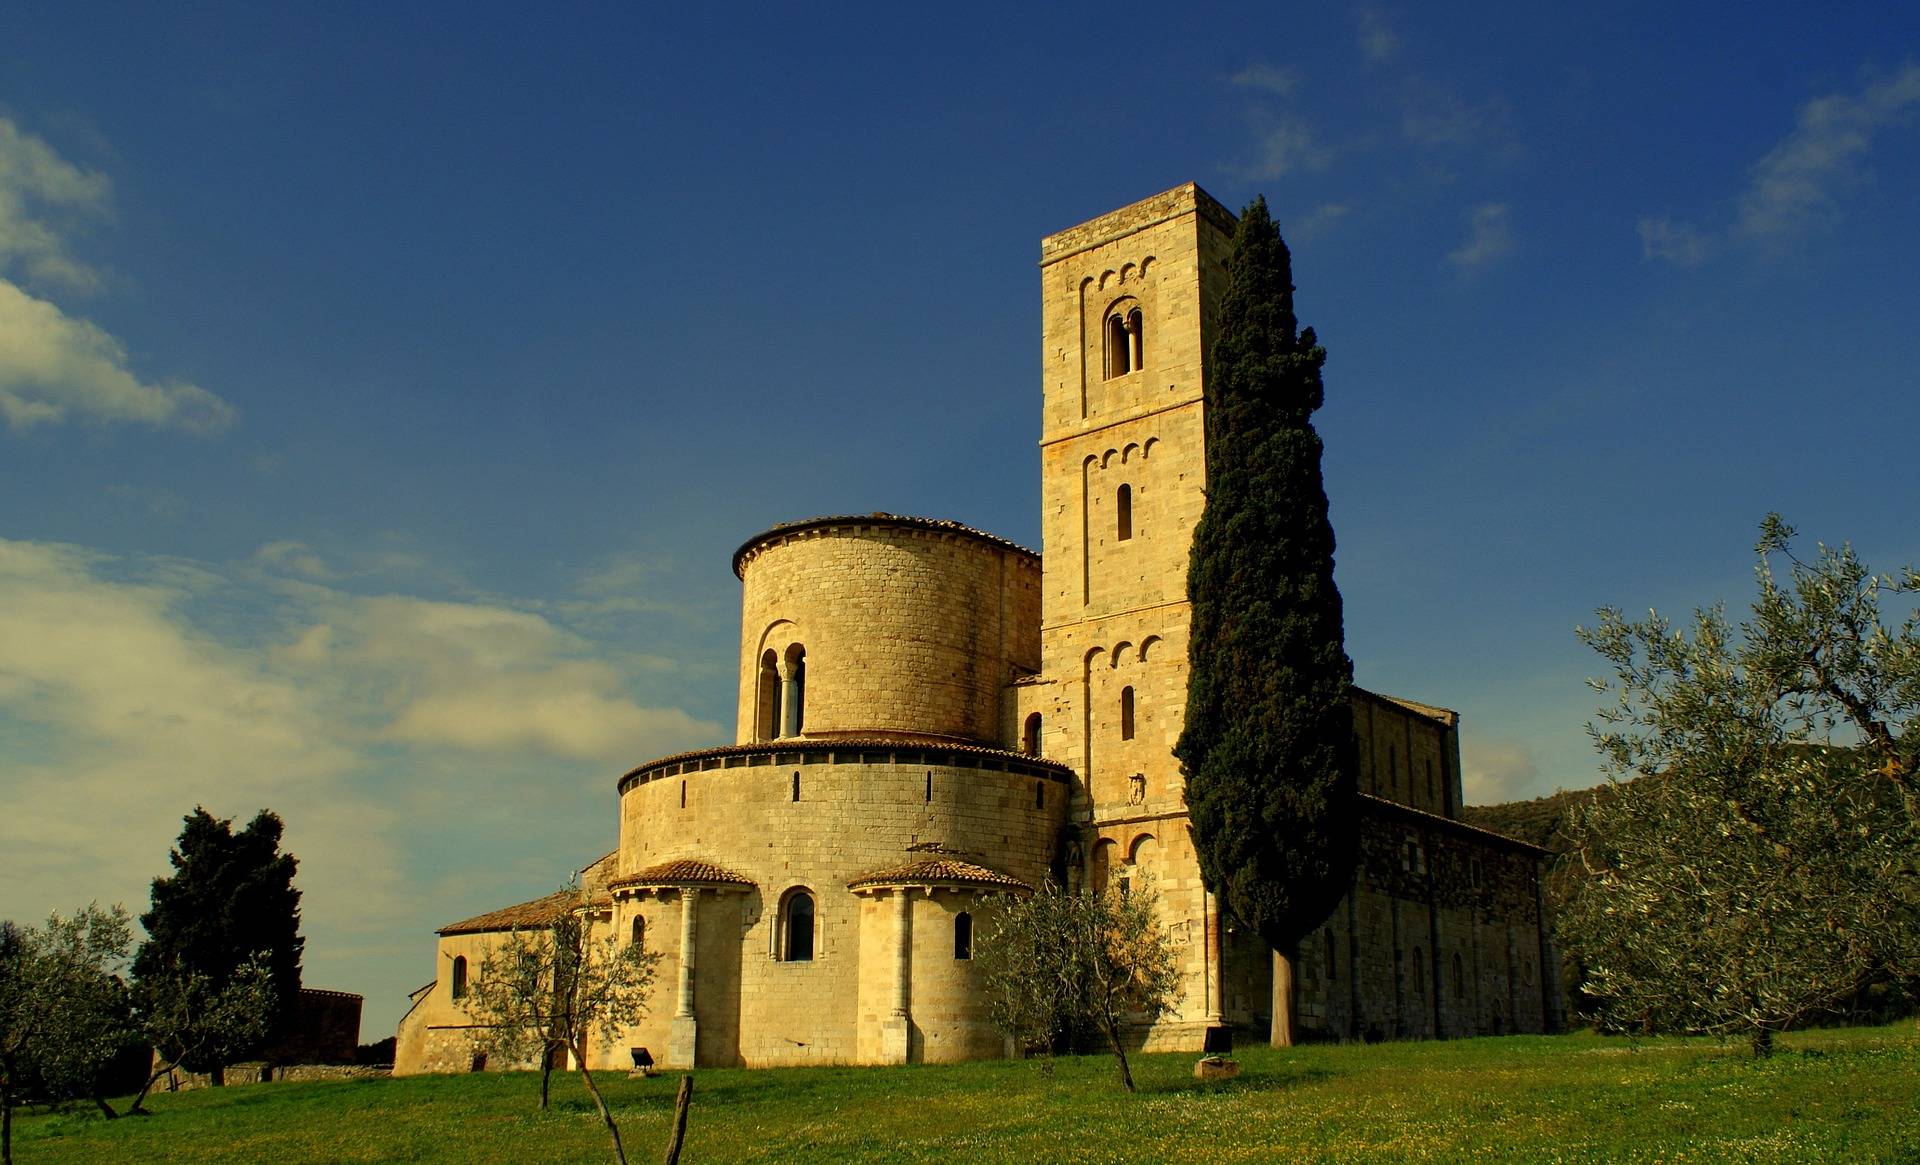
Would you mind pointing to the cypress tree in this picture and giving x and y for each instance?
(231, 896)
(1268, 742)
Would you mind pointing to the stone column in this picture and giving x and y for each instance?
(683, 1031)
(1216, 974)
(896, 1038)
(790, 697)
(1133, 342)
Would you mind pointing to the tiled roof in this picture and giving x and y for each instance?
(943, 871)
(682, 871)
(539, 912)
(1445, 716)
(877, 742)
(878, 518)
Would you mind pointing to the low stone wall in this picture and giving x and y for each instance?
(257, 1072)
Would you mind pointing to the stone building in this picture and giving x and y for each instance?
(930, 717)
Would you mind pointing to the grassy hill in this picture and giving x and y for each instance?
(1838, 1095)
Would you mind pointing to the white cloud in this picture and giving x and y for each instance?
(296, 558)
(1489, 238)
(1495, 771)
(1798, 183)
(1379, 43)
(1289, 146)
(1679, 243)
(35, 182)
(53, 366)
(1434, 116)
(1317, 221)
(386, 731)
(1269, 78)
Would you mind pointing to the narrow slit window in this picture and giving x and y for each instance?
(683, 794)
(459, 986)
(1039, 794)
(796, 785)
(929, 796)
(963, 935)
(1126, 713)
(1123, 513)
(639, 939)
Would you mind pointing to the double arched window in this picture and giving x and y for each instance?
(782, 704)
(1125, 343)
(796, 927)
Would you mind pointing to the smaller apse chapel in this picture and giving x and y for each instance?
(930, 718)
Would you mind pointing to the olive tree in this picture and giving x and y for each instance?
(1056, 962)
(1752, 862)
(545, 988)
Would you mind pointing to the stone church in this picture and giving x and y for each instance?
(931, 717)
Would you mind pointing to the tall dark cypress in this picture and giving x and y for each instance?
(1268, 744)
(231, 896)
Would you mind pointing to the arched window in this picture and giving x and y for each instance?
(1124, 342)
(795, 690)
(963, 935)
(639, 940)
(1123, 513)
(1126, 713)
(768, 720)
(459, 987)
(1030, 739)
(796, 919)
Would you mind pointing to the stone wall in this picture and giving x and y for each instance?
(908, 625)
(858, 810)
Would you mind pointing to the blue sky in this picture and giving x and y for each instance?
(383, 388)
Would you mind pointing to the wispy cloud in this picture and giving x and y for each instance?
(1267, 78)
(385, 730)
(1679, 243)
(1489, 238)
(55, 367)
(1800, 181)
(1289, 145)
(1434, 116)
(1801, 184)
(1317, 222)
(1379, 42)
(1494, 771)
(38, 189)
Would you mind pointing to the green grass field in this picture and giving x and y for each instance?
(1847, 1095)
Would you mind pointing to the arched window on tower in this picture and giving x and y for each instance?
(459, 985)
(1030, 738)
(767, 722)
(795, 690)
(963, 935)
(796, 925)
(1126, 713)
(1123, 513)
(1124, 342)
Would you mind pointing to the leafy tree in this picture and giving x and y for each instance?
(1268, 743)
(1054, 962)
(1752, 863)
(63, 1013)
(189, 1019)
(544, 990)
(231, 898)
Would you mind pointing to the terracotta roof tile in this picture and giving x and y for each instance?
(938, 871)
(877, 518)
(539, 912)
(682, 871)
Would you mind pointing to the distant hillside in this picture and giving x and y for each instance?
(1542, 821)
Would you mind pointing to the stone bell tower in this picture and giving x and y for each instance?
(1128, 307)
